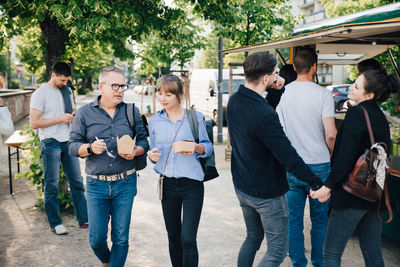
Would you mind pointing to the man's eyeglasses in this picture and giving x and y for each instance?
(116, 87)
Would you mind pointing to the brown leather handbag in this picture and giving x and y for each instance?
(361, 181)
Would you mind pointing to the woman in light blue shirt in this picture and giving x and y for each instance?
(183, 175)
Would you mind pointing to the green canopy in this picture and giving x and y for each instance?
(344, 40)
(376, 15)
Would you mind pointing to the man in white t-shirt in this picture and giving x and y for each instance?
(51, 112)
(306, 112)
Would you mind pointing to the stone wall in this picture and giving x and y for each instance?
(17, 101)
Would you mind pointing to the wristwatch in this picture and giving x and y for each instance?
(89, 149)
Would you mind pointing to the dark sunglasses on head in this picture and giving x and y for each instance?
(170, 77)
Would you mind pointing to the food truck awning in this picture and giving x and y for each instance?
(344, 40)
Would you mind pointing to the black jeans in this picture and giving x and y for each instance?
(182, 226)
(341, 225)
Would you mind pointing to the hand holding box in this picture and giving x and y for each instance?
(126, 144)
(184, 146)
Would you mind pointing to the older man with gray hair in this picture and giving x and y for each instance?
(111, 176)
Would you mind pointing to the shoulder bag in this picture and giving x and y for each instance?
(367, 180)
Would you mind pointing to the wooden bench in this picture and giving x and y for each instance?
(14, 141)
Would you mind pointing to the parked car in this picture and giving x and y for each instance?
(339, 93)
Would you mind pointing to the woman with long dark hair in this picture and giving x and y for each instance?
(349, 212)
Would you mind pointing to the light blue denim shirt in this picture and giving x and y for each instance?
(161, 131)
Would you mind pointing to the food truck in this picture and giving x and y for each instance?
(347, 40)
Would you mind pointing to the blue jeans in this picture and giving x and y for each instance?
(55, 153)
(296, 198)
(187, 195)
(341, 225)
(115, 200)
(264, 216)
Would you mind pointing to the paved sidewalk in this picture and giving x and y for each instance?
(26, 240)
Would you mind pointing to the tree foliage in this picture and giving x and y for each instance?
(65, 23)
(88, 59)
(29, 49)
(249, 22)
(209, 57)
(3, 63)
(158, 50)
(35, 172)
(334, 9)
(241, 23)
(154, 53)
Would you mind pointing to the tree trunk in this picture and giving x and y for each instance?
(54, 37)
(72, 66)
(88, 83)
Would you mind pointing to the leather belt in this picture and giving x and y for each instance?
(114, 177)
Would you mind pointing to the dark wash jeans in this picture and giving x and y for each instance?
(54, 154)
(264, 216)
(296, 199)
(341, 225)
(186, 194)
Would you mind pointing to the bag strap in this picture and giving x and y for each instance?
(173, 140)
(371, 135)
(385, 190)
(194, 126)
(387, 203)
(130, 114)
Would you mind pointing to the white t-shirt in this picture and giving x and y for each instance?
(49, 101)
(301, 109)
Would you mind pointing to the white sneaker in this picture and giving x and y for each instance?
(60, 230)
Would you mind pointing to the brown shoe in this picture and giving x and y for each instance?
(105, 265)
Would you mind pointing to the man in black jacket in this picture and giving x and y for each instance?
(261, 155)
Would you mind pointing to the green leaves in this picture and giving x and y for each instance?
(35, 174)
(334, 9)
(173, 45)
(110, 22)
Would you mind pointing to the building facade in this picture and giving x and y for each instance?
(314, 13)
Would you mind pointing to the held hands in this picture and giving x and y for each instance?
(153, 155)
(321, 194)
(129, 156)
(278, 83)
(67, 118)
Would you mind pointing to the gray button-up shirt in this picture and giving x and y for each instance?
(92, 121)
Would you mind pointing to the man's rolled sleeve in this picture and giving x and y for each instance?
(203, 137)
(77, 135)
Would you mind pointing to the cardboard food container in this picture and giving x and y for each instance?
(126, 144)
(184, 146)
